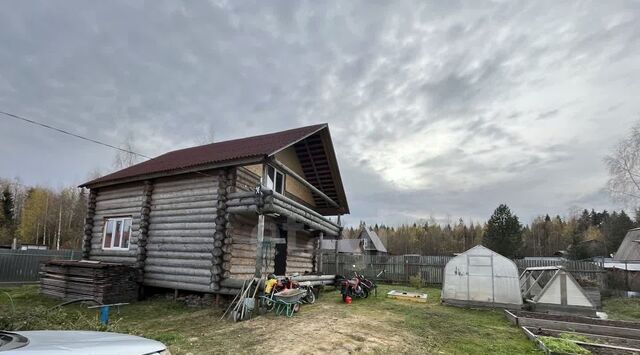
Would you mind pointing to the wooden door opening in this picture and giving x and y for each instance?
(280, 267)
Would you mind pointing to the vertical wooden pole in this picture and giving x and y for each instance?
(259, 251)
(321, 238)
(563, 288)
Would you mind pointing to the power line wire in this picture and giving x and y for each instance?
(70, 133)
(81, 137)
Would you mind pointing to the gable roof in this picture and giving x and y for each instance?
(244, 151)
(375, 240)
(629, 249)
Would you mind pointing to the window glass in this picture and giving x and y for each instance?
(279, 186)
(126, 233)
(271, 172)
(108, 233)
(117, 234)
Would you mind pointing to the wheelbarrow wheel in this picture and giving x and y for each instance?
(296, 307)
(310, 297)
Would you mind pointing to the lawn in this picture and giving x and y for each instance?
(374, 325)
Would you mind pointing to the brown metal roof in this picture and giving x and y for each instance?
(221, 152)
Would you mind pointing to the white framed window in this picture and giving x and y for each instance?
(117, 231)
(275, 179)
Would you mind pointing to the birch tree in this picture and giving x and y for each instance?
(624, 169)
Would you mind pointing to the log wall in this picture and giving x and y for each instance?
(88, 224)
(119, 201)
(300, 252)
(242, 229)
(181, 233)
(246, 179)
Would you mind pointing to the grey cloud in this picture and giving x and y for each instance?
(382, 74)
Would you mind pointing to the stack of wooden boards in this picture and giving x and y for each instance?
(104, 282)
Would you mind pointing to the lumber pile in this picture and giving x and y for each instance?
(104, 282)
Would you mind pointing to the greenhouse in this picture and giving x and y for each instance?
(552, 289)
(481, 277)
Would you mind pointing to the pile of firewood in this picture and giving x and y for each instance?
(103, 282)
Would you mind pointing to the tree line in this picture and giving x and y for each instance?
(41, 215)
(581, 236)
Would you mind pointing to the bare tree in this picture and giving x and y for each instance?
(624, 169)
(125, 159)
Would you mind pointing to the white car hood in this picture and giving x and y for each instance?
(54, 342)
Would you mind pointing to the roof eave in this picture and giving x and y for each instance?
(194, 169)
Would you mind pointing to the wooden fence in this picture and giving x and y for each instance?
(431, 268)
(398, 268)
(23, 266)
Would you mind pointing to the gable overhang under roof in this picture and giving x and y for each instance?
(320, 168)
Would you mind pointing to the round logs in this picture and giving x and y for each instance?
(88, 224)
(143, 234)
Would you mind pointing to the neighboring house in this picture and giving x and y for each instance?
(629, 249)
(195, 218)
(371, 242)
(345, 246)
(367, 242)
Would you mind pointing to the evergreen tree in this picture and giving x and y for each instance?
(7, 205)
(578, 249)
(504, 232)
(7, 221)
(615, 228)
(584, 222)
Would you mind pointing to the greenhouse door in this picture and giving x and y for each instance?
(480, 278)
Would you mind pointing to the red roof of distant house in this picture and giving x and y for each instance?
(227, 151)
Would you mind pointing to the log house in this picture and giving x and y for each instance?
(205, 218)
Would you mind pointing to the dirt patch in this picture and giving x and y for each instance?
(331, 328)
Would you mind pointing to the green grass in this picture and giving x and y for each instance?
(622, 308)
(563, 346)
(451, 329)
(373, 325)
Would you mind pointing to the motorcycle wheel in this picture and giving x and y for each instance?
(310, 297)
(365, 292)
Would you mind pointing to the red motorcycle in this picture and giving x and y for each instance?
(358, 286)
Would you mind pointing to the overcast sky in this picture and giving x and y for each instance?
(442, 110)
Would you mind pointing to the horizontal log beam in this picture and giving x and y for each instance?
(177, 285)
(168, 270)
(184, 212)
(304, 182)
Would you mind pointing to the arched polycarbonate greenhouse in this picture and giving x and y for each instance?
(481, 277)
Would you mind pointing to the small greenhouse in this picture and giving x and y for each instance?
(481, 277)
(553, 289)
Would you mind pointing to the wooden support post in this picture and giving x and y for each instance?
(320, 239)
(259, 251)
(338, 238)
(563, 288)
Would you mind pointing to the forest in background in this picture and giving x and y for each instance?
(580, 236)
(40, 215)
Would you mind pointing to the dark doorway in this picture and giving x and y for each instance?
(281, 253)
